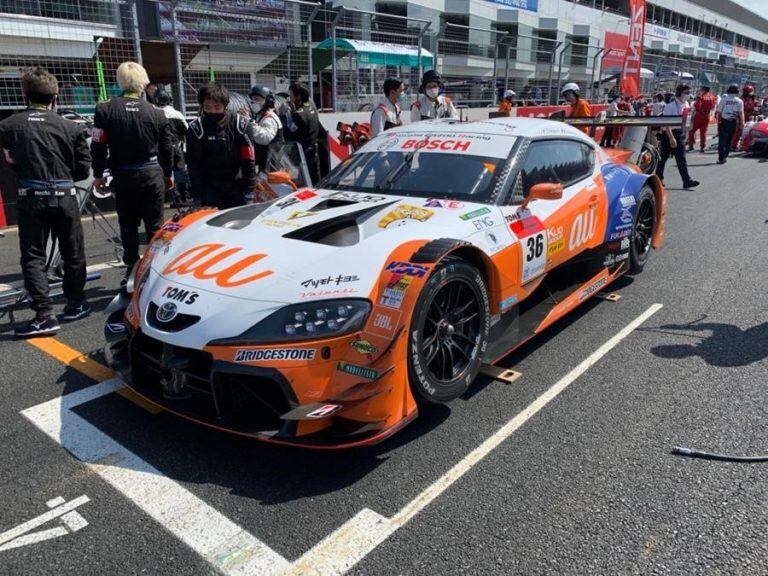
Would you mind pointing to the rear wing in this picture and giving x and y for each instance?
(621, 121)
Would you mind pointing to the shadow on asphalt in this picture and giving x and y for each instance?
(727, 345)
(265, 473)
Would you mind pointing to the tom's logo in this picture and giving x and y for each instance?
(228, 267)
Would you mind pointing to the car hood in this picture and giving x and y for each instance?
(311, 245)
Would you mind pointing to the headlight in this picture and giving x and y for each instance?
(320, 319)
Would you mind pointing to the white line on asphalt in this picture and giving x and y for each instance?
(9, 535)
(358, 537)
(222, 543)
(104, 266)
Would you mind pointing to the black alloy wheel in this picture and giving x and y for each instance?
(449, 332)
(643, 227)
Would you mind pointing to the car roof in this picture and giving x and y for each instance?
(508, 126)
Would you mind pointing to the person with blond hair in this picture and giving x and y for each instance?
(134, 140)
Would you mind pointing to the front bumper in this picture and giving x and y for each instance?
(247, 400)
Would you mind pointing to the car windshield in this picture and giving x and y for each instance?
(423, 167)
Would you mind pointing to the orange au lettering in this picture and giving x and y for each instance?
(200, 261)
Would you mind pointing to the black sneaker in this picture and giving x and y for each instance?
(691, 184)
(39, 326)
(76, 311)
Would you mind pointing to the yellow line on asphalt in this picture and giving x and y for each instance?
(85, 365)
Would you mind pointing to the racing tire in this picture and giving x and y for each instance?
(643, 227)
(449, 332)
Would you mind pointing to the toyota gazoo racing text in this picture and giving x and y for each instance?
(332, 316)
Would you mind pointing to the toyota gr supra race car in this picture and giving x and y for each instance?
(331, 316)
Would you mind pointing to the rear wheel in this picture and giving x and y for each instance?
(643, 227)
(449, 332)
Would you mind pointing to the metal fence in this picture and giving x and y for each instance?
(343, 55)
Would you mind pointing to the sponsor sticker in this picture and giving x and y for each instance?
(394, 292)
(625, 244)
(356, 197)
(324, 411)
(492, 241)
(180, 295)
(279, 223)
(533, 240)
(627, 201)
(507, 303)
(329, 281)
(475, 214)
(300, 214)
(404, 213)
(620, 234)
(555, 233)
(589, 290)
(555, 247)
(436, 144)
(583, 229)
(364, 347)
(453, 204)
(359, 371)
(293, 354)
(305, 195)
(231, 266)
(407, 269)
(483, 223)
(626, 216)
(166, 312)
(384, 322)
(326, 293)
(171, 227)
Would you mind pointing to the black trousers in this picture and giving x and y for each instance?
(139, 196)
(679, 153)
(725, 131)
(40, 218)
(223, 195)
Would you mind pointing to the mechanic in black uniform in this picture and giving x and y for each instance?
(49, 154)
(304, 128)
(220, 155)
(137, 138)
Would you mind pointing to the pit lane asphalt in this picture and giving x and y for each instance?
(587, 486)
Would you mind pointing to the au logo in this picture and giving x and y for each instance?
(226, 266)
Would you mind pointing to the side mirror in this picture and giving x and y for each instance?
(543, 191)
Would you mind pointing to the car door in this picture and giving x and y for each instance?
(551, 232)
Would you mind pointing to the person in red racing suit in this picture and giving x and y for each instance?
(705, 103)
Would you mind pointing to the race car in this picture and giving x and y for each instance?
(331, 317)
(754, 137)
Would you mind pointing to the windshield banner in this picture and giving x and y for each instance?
(630, 71)
(472, 144)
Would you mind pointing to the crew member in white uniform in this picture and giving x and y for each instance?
(386, 115)
(729, 114)
(431, 104)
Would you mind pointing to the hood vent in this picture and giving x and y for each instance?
(339, 231)
(238, 218)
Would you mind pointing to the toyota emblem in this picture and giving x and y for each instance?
(166, 312)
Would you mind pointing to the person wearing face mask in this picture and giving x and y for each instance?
(672, 141)
(430, 104)
(304, 128)
(221, 159)
(266, 130)
(133, 138)
(49, 154)
(387, 114)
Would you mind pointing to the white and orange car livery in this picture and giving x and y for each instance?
(330, 317)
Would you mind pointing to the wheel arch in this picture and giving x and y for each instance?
(435, 251)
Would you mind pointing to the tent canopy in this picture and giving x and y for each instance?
(644, 72)
(675, 75)
(380, 53)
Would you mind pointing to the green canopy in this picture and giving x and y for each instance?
(380, 53)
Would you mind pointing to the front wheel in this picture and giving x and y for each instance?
(449, 332)
(643, 227)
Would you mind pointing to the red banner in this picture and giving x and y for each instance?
(630, 72)
(615, 51)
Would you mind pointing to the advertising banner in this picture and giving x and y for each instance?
(532, 5)
(615, 50)
(630, 73)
